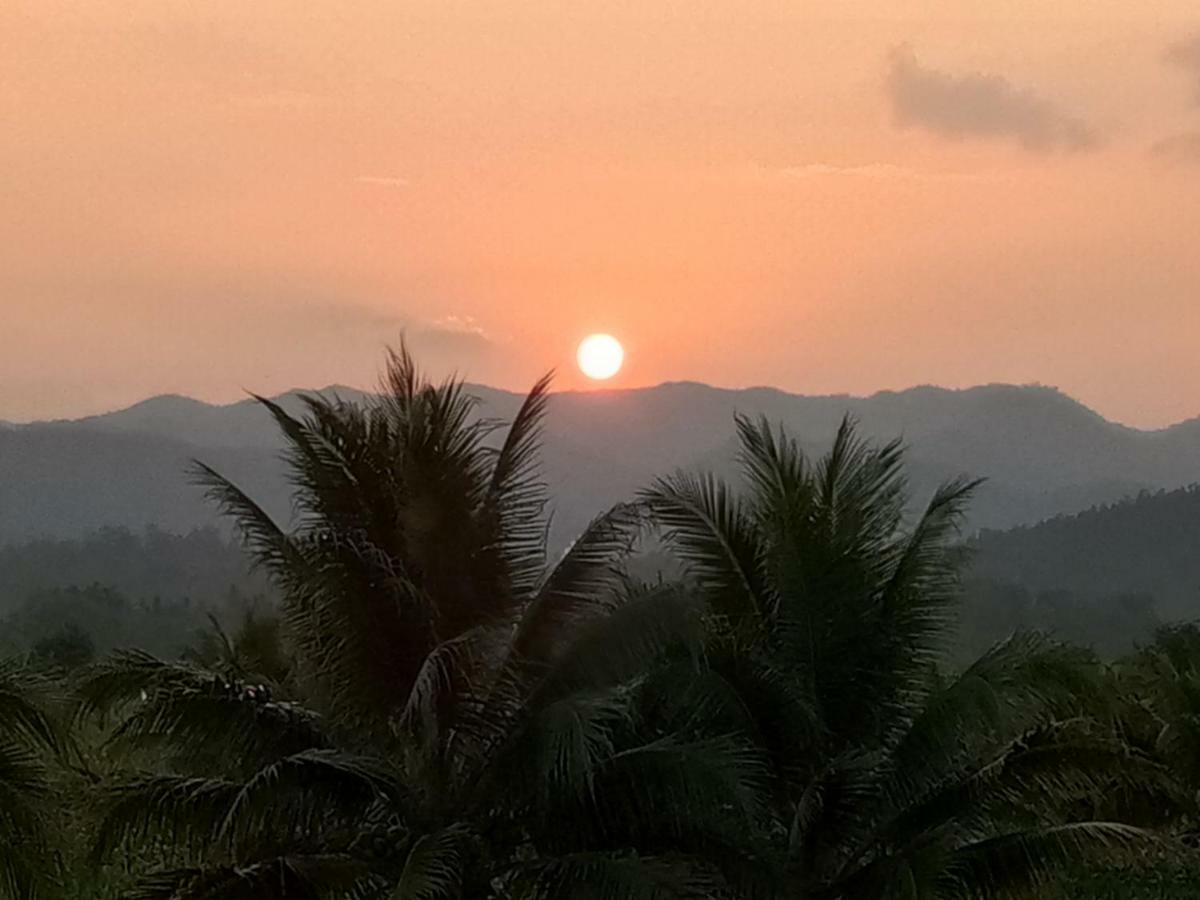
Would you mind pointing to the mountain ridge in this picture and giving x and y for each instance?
(882, 394)
(1043, 452)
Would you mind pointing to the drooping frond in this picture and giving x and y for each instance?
(708, 527)
(23, 696)
(434, 866)
(290, 799)
(922, 587)
(610, 876)
(320, 876)
(516, 496)
(640, 632)
(579, 588)
(1011, 865)
(562, 748)
(1022, 681)
(683, 789)
(29, 737)
(308, 790)
(267, 543)
(185, 812)
(196, 716)
(557, 724)
(1044, 776)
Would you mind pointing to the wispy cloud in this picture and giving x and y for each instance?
(979, 105)
(458, 325)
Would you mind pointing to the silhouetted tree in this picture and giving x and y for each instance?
(463, 719)
(68, 649)
(831, 620)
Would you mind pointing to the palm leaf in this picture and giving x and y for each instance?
(709, 529)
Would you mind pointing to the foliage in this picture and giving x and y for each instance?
(890, 779)
(435, 708)
(110, 620)
(460, 717)
(28, 734)
(1110, 623)
(198, 568)
(1104, 577)
(67, 649)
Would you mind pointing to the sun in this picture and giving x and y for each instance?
(600, 356)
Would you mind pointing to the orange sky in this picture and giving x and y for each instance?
(209, 197)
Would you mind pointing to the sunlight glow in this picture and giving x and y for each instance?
(600, 356)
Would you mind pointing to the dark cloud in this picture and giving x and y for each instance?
(1187, 55)
(979, 105)
(1181, 149)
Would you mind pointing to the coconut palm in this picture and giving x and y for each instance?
(1159, 685)
(832, 606)
(28, 740)
(461, 718)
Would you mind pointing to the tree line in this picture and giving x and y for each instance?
(438, 707)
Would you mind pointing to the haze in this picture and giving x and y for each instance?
(205, 198)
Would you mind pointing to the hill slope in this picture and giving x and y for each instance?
(1043, 452)
(1106, 576)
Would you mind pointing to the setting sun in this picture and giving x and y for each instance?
(600, 356)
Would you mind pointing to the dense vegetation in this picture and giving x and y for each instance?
(1105, 578)
(435, 706)
(116, 588)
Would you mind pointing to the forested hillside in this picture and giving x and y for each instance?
(1105, 577)
(116, 588)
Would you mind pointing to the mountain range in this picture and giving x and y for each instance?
(1042, 452)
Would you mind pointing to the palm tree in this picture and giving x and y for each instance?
(461, 719)
(28, 738)
(831, 610)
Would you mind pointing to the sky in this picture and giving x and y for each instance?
(210, 198)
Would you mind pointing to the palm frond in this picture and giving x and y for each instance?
(580, 587)
(1011, 865)
(609, 876)
(434, 866)
(516, 496)
(1023, 680)
(709, 529)
(326, 876)
(194, 715)
(184, 812)
(23, 699)
(713, 787)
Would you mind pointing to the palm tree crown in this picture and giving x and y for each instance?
(833, 606)
(462, 719)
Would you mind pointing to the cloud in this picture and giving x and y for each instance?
(1179, 149)
(453, 334)
(454, 337)
(1187, 55)
(978, 105)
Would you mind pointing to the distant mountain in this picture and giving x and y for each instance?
(1043, 452)
(1107, 576)
(1149, 544)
